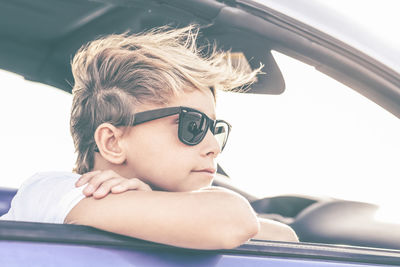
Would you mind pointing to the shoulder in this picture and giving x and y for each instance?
(50, 177)
(42, 180)
(46, 197)
(48, 182)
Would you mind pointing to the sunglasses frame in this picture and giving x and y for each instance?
(155, 114)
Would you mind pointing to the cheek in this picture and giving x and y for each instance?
(160, 159)
(151, 139)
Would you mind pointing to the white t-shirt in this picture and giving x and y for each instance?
(45, 197)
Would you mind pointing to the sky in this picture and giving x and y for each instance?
(35, 134)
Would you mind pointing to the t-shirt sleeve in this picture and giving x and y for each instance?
(45, 197)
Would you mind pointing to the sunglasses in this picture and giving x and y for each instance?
(193, 124)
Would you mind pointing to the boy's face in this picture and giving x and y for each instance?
(157, 156)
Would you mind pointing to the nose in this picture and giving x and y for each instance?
(211, 146)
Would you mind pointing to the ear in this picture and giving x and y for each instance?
(108, 140)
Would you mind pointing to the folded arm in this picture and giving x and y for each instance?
(204, 219)
(269, 230)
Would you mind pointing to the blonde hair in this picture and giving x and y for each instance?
(117, 72)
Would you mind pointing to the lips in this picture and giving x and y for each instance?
(207, 170)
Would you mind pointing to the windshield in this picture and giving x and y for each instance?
(319, 137)
(369, 26)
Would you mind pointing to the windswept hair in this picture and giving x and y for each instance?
(117, 72)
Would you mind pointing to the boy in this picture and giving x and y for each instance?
(144, 127)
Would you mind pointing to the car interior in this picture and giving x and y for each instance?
(42, 38)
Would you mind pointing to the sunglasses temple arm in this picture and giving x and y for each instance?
(146, 116)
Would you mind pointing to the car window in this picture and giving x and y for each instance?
(35, 129)
(318, 138)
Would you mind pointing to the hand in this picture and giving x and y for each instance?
(101, 183)
(276, 231)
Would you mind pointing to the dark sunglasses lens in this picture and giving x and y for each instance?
(192, 127)
(221, 133)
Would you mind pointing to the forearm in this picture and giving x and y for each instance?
(269, 229)
(275, 231)
(201, 219)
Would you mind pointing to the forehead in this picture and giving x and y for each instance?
(197, 99)
(203, 101)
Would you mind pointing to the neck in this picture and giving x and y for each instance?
(100, 164)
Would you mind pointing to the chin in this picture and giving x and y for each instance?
(193, 182)
(200, 184)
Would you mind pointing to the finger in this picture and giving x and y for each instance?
(97, 180)
(85, 178)
(130, 184)
(125, 186)
(106, 186)
(144, 187)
